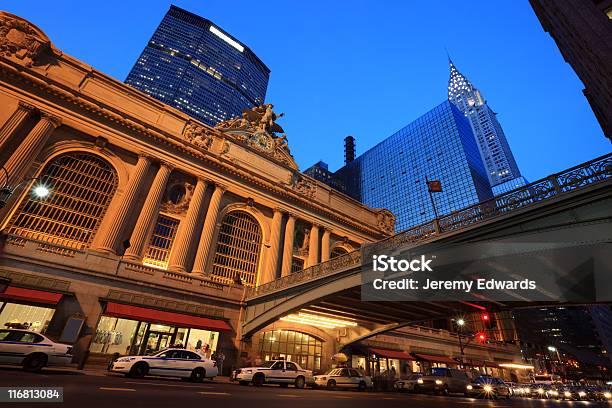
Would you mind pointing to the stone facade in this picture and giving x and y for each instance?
(161, 165)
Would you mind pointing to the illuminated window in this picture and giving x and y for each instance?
(290, 345)
(238, 249)
(609, 13)
(82, 186)
(337, 251)
(297, 264)
(160, 245)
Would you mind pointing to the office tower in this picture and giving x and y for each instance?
(492, 144)
(439, 145)
(320, 171)
(582, 30)
(572, 341)
(198, 68)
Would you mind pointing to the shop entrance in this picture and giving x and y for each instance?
(157, 337)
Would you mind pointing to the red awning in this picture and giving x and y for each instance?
(159, 316)
(31, 295)
(435, 359)
(400, 355)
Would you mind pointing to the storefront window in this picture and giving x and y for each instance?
(114, 335)
(17, 316)
(359, 362)
(293, 346)
(199, 340)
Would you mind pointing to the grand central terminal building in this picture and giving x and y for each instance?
(133, 227)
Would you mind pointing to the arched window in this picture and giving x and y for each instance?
(238, 249)
(290, 345)
(82, 186)
(337, 251)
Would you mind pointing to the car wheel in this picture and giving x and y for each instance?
(331, 385)
(243, 382)
(300, 382)
(198, 375)
(34, 362)
(258, 380)
(139, 370)
(361, 386)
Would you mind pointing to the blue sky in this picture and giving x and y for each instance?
(366, 68)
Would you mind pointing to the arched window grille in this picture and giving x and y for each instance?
(291, 345)
(238, 249)
(337, 251)
(82, 186)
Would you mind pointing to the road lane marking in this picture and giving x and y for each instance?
(207, 387)
(115, 389)
(213, 393)
(289, 395)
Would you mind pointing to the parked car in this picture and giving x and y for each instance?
(173, 362)
(408, 384)
(279, 372)
(32, 350)
(443, 381)
(343, 378)
(540, 391)
(488, 387)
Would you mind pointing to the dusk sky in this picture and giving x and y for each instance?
(366, 68)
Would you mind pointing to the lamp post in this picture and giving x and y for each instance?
(460, 322)
(6, 190)
(555, 350)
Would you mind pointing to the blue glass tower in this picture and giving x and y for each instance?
(439, 145)
(196, 67)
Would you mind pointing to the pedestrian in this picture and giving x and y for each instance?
(220, 358)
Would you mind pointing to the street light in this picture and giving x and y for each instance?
(552, 348)
(6, 190)
(460, 322)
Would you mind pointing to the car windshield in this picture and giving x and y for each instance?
(414, 376)
(438, 372)
(269, 364)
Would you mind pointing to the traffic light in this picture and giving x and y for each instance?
(486, 320)
(481, 337)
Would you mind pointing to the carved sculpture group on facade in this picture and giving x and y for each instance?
(197, 135)
(257, 128)
(23, 41)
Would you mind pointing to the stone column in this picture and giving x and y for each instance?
(288, 246)
(27, 151)
(199, 265)
(148, 214)
(114, 223)
(14, 122)
(325, 245)
(185, 236)
(313, 246)
(269, 272)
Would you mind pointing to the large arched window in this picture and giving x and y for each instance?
(82, 186)
(238, 249)
(290, 345)
(338, 251)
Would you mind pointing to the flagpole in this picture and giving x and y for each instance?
(433, 203)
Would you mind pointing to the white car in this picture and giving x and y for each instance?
(32, 350)
(343, 378)
(174, 362)
(408, 384)
(278, 372)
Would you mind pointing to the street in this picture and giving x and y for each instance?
(107, 390)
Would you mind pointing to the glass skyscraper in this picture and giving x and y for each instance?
(196, 67)
(439, 145)
(492, 144)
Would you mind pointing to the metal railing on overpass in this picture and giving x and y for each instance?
(578, 177)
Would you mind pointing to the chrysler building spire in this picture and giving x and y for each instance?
(494, 149)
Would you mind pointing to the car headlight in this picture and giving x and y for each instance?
(469, 387)
(488, 388)
(607, 395)
(581, 393)
(125, 359)
(420, 381)
(553, 392)
(439, 382)
(567, 394)
(540, 390)
(249, 371)
(526, 390)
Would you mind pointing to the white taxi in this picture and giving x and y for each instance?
(174, 362)
(279, 372)
(343, 378)
(32, 350)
